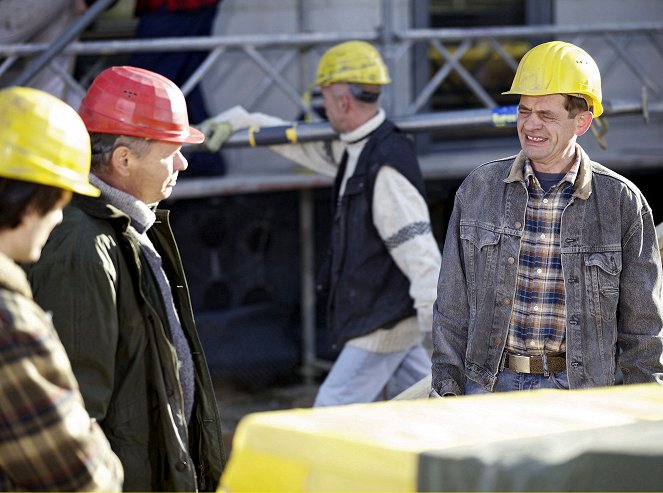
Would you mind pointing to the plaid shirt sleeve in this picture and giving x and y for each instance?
(47, 439)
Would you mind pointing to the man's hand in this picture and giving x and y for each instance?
(218, 128)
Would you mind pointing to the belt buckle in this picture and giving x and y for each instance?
(520, 364)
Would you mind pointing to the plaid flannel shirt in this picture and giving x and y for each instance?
(47, 439)
(538, 316)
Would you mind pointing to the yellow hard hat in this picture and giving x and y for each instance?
(43, 140)
(353, 62)
(557, 67)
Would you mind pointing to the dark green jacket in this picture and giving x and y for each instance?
(110, 316)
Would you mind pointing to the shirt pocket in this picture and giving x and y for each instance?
(480, 250)
(603, 271)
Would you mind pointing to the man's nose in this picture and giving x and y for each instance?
(180, 162)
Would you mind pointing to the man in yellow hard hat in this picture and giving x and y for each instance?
(124, 313)
(49, 442)
(383, 264)
(551, 271)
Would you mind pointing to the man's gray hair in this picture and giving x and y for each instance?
(103, 146)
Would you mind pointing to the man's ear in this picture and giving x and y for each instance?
(120, 160)
(345, 101)
(583, 121)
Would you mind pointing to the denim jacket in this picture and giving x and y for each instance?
(612, 274)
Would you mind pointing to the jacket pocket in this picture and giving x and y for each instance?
(481, 248)
(604, 269)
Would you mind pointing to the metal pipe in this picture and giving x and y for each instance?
(538, 31)
(426, 122)
(306, 39)
(307, 280)
(387, 48)
(61, 42)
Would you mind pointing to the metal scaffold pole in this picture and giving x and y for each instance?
(61, 42)
(427, 122)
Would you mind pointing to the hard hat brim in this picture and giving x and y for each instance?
(195, 137)
(86, 189)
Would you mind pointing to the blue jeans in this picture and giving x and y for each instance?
(508, 381)
(360, 376)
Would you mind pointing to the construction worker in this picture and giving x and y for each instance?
(49, 442)
(383, 262)
(550, 271)
(124, 313)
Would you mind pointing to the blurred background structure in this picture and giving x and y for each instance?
(253, 232)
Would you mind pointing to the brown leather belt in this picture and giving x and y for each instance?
(534, 364)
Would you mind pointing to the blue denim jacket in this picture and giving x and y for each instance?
(612, 274)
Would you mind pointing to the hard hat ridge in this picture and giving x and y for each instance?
(125, 100)
(354, 62)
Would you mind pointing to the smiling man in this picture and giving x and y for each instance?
(112, 277)
(551, 272)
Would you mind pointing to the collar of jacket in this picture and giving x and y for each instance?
(13, 277)
(101, 209)
(583, 185)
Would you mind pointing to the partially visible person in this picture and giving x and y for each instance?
(37, 21)
(180, 19)
(48, 442)
(551, 272)
(384, 261)
(124, 315)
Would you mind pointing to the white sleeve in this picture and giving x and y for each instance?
(321, 157)
(401, 217)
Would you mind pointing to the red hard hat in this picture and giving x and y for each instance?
(140, 103)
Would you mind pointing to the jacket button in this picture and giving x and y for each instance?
(507, 301)
(518, 225)
(181, 466)
(511, 260)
